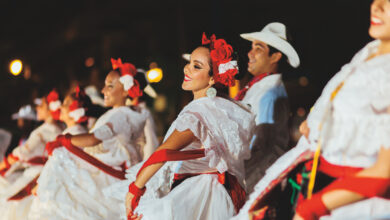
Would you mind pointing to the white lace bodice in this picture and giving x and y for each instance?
(357, 124)
(118, 129)
(36, 142)
(223, 128)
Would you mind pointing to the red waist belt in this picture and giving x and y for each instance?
(230, 182)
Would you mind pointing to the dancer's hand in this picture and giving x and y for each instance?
(129, 209)
(304, 129)
(34, 190)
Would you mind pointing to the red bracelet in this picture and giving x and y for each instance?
(137, 192)
(64, 140)
(50, 146)
(312, 209)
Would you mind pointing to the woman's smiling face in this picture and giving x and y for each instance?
(196, 72)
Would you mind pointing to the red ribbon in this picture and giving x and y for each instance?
(26, 191)
(65, 141)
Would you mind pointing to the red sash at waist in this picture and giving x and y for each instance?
(230, 182)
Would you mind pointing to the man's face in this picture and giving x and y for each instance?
(259, 58)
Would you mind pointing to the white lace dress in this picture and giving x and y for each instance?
(224, 129)
(71, 188)
(34, 146)
(356, 126)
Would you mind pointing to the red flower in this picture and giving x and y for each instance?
(222, 52)
(135, 91)
(52, 97)
(226, 78)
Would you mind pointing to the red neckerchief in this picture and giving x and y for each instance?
(242, 92)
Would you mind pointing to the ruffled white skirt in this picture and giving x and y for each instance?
(197, 198)
(70, 188)
(200, 197)
(18, 209)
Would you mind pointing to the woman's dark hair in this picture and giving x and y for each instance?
(140, 77)
(84, 101)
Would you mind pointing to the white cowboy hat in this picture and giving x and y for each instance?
(25, 112)
(186, 56)
(274, 34)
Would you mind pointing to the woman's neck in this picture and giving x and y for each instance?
(70, 123)
(49, 120)
(120, 104)
(383, 48)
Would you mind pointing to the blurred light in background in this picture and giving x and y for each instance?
(89, 62)
(160, 103)
(301, 112)
(154, 75)
(16, 67)
(233, 90)
(303, 81)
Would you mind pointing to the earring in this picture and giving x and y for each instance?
(211, 92)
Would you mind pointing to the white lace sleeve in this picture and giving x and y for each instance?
(195, 123)
(118, 123)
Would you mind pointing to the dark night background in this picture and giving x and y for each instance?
(54, 38)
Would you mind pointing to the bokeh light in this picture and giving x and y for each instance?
(16, 67)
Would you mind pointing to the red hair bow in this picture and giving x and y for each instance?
(53, 96)
(76, 104)
(125, 68)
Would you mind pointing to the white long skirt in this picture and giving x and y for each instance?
(17, 209)
(70, 188)
(197, 198)
(200, 197)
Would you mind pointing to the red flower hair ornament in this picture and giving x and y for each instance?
(128, 72)
(224, 68)
(54, 104)
(76, 109)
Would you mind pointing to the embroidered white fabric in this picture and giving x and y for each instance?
(223, 128)
(36, 142)
(358, 123)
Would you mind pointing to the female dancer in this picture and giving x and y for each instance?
(15, 200)
(349, 125)
(210, 138)
(81, 166)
